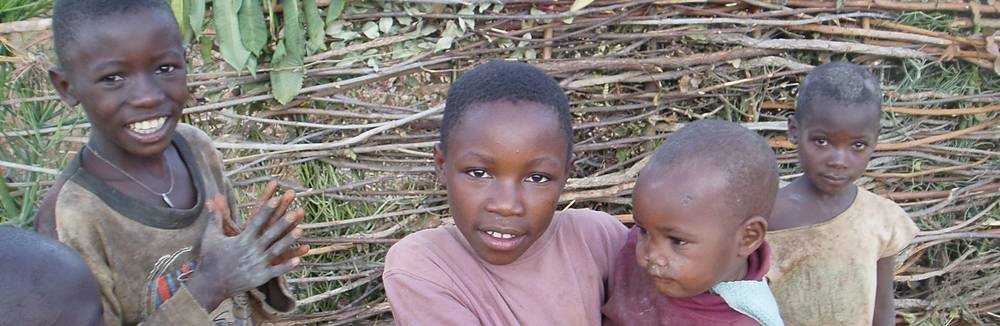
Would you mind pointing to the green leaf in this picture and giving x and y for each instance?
(577, 5)
(385, 24)
(580, 4)
(196, 16)
(370, 30)
(286, 79)
(334, 9)
(252, 66)
(228, 30)
(295, 36)
(178, 7)
(315, 27)
(484, 6)
(466, 23)
(205, 46)
(443, 43)
(253, 28)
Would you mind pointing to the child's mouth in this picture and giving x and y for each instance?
(149, 130)
(146, 127)
(500, 241)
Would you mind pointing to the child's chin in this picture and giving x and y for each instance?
(673, 290)
(497, 259)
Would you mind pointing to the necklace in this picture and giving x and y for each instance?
(162, 195)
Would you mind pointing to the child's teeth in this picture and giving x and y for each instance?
(148, 126)
(499, 235)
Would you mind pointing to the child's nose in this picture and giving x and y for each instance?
(146, 92)
(837, 159)
(505, 199)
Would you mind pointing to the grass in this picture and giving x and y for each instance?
(19, 203)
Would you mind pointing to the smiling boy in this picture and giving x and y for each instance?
(834, 243)
(697, 255)
(510, 259)
(144, 200)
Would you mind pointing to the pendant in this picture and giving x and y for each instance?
(167, 200)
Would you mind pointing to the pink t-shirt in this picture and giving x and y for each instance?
(433, 277)
(634, 299)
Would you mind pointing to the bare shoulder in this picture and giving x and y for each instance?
(784, 214)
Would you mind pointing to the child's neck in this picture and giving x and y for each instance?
(823, 206)
(739, 273)
(154, 164)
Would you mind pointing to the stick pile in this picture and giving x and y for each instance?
(634, 71)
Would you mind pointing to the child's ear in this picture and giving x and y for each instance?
(793, 131)
(439, 162)
(58, 78)
(752, 235)
(569, 164)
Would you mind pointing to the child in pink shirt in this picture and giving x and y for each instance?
(505, 154)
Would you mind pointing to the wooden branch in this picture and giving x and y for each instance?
(861, 32)
(896, 5)
(945, 270)
(928, 171)
(816, 45)
(751, 22)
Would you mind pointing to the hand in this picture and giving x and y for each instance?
(231, 227)
(231, 265)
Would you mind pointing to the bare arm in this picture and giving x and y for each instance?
(885, 308)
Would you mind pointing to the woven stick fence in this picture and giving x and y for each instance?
(355, 143)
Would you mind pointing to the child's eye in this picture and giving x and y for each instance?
(821, 142)
(478, 173)
(860, 146)
(112, 78)
(166, 69)
(537, 178)
(678, 242)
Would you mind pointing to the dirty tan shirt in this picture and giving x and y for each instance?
(825, 274)
(127, 244)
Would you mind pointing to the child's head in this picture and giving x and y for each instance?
(836, 124)
(702, 204)
(124, 62)
(44, 282)
(504, 156)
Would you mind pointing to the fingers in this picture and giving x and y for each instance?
(216, 223)
(280, 269)
(266, 194)
(290, 253)
(258, 220)
(281, 226)
(280, 247)
(298, 215)
(284, 201)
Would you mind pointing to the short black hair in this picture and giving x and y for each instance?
(68, 15)
(744, 156)
(44, 281)
(845, 82)
(504, 81)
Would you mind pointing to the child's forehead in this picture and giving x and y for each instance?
(506, 117)
(118, 32)
(843, 118)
